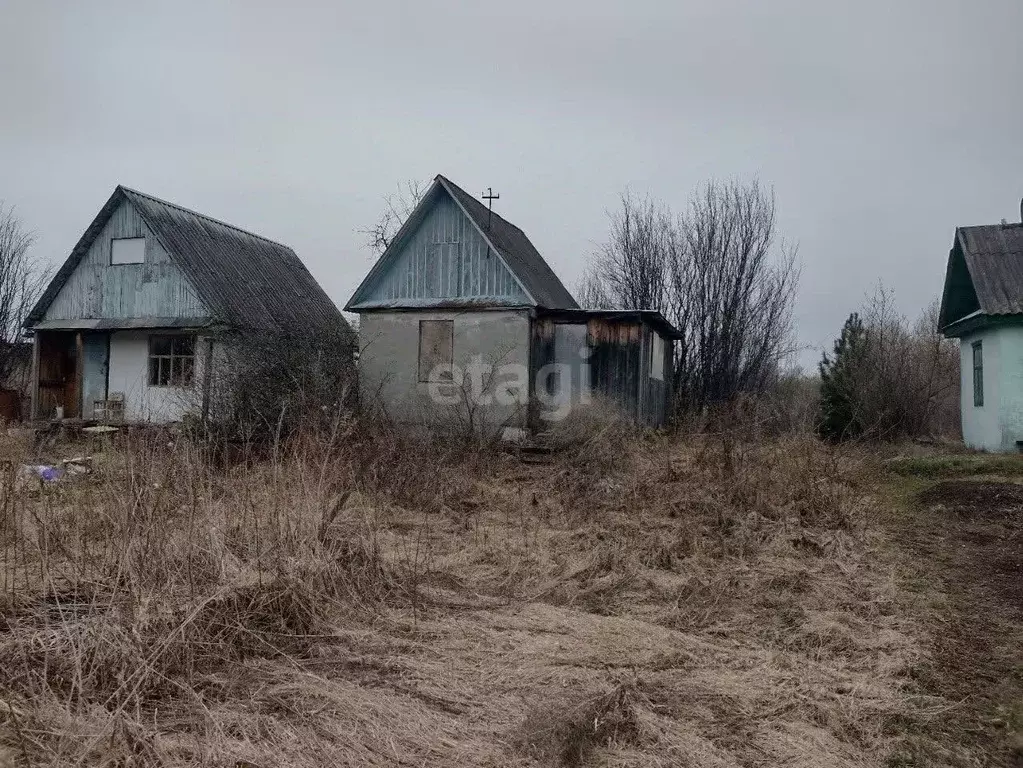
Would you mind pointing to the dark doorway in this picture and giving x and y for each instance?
(60, 378)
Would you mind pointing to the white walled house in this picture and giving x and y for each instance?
(131, 325)
(982, 306)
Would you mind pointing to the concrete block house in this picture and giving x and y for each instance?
(131, 324)
(982, 306)
(461, 319)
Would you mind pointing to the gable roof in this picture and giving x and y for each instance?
(984, 273)
(510, 243)
(520, 255)
(246, 280)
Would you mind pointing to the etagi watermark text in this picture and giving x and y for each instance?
(558, 387)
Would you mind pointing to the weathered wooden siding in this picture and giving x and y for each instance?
(614, 359)
(155, 288)
(58, 380)
(656, 401)
(446, 258)
(619, 366)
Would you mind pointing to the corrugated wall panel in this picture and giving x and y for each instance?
(446, 258)
(155, 288)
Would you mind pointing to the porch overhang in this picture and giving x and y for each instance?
(976, 321)
(649, 316)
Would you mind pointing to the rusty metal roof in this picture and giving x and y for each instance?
(246, 280)
(519, 253)
(984, 273)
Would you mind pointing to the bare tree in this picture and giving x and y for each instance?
(592, 292)
(631, 269)
(398, 207)
(938, 360)
(889, 379)
(908, 382)
(717, 272)
(732, 292)
(22, 282)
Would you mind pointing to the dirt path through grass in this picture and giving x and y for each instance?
(961, 541)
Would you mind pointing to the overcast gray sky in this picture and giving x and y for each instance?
(880, 125)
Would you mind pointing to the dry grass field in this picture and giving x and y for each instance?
(366, 599)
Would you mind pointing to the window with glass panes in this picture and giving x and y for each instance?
(171, 360)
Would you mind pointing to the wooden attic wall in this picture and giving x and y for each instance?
(445, 258)
(97, 289)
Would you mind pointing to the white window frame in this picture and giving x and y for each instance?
(127, 250)
(175, 367)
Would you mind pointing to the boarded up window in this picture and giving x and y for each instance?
(436, 349)
(127, 250)
(656, 357)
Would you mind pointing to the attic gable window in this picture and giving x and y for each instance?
(127, 250)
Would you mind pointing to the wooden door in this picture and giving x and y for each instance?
(59, 374)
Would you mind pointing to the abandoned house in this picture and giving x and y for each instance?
(982, 306)
(131, 326)
(462, 320)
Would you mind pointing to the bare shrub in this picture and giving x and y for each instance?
(565, 731)
(594, 433)
(22, 282)
(894, 379)
(267, 386)
(791, 404)
(418, 470)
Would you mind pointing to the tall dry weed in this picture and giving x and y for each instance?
(354, 594)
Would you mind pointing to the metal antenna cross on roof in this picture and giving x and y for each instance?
(490, 197)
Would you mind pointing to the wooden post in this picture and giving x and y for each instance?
(669, 379)
(33, 412)
(79, 374)
(643, 374)
(207, 376)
